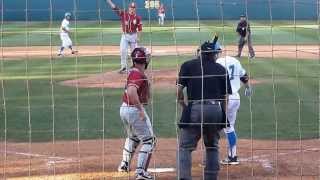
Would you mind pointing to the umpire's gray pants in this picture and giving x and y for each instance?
(189, 137)
(241, 44)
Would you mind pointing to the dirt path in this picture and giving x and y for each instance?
(95, 159)
(165, 79)
(285, 51)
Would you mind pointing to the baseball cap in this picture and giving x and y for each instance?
(132, 5)
(67, 14)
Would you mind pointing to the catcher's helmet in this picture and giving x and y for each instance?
(67, 14)
(140, 55)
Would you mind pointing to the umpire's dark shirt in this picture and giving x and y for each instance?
(216, 83)
(243, 27)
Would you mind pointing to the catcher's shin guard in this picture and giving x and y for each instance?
(147, 161)
(130, 146)
(145, 153)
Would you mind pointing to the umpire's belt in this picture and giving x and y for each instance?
(206, 102)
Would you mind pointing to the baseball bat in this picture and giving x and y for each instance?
(215, 39)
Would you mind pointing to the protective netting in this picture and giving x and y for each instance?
(59, 116)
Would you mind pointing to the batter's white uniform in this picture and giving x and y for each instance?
(235, 72)
(64, 36)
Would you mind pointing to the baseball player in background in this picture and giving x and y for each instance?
(161, 14)
(65, 34)
(236, 74)
(136, 120)
(244, 32)
(131, 27)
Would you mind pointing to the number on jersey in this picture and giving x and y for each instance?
(231, 71)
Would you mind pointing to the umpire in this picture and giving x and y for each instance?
(207, 84)
(244, 32)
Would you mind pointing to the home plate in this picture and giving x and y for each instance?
(161, 170)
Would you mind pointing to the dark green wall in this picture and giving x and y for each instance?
(14, 10)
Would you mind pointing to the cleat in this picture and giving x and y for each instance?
(123, 167)
(74, 52)
(230, 161)
(59, 55)
(252, 57)
(143, 175)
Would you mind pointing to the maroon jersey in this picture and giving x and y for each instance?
(161, 10)
(130, 23)
(140, 81)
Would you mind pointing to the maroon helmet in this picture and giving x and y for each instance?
(140, 56)
(132, 5)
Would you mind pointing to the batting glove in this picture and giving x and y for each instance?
(248, 91)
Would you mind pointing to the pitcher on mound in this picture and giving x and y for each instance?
(131, 27)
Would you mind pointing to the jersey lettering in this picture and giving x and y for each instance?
(231, 70)
(235, 71)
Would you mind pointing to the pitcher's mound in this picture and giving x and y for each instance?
(158, 79)
(165, 78)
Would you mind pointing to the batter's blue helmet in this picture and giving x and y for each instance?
(210, 47)
(67, 14)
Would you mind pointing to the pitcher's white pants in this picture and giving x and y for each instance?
(161, 19)
(127, 41)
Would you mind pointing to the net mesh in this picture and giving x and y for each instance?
(59, 117)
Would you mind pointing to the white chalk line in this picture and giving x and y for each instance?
(56, 159)
(266, 163)
(51, 159)
(263, 159)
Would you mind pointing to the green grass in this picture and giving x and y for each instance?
(186, 33)
(287, 97)
(284, 105)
